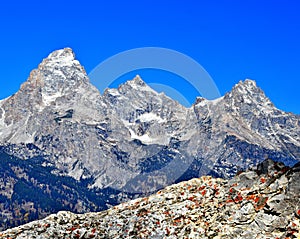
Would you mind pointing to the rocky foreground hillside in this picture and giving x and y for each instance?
(260, 203)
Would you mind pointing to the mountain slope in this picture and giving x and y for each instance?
(255, 204)
(29, 191)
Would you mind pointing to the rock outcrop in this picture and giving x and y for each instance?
(261, 203)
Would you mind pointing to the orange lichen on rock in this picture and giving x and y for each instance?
(262, 180)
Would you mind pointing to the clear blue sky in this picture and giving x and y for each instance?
(232, 40)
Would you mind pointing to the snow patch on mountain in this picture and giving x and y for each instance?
(216, 101)
(48, 99)
(148, 117)
(147, 139)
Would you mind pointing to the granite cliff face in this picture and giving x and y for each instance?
(261, 203)
(128, 142)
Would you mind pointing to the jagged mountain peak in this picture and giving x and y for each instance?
(137, 83)
(59, 60)
(136, 86)
(59, 74)
(66, 53)
(137, 80)
(244, 92)
(131, 88)
(56, 72)
(199, 99)
(249, 83)
(248, 93)
(247, 88)
(58, 84)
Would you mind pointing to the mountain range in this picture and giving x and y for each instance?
(64, 146)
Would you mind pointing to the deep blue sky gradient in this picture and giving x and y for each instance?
(232, 40)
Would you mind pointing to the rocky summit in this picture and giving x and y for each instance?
(261, 203)
(64, 146)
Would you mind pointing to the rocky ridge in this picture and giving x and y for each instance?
(261, 203)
